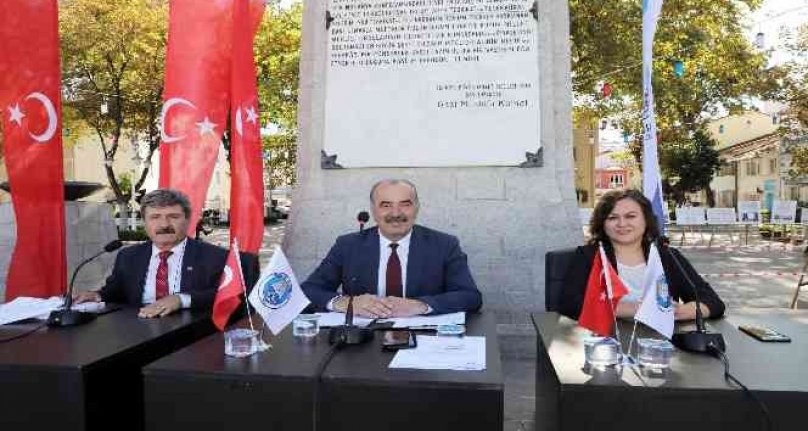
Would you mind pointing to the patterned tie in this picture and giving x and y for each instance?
(393, 276)
(161, 282)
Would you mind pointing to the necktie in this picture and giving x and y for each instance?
(393, 276)
(161, 282)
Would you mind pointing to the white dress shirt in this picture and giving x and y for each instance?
(174, 274)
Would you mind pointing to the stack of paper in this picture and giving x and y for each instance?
(443, 353)
(428, 322)
(37, 308)
(337, 319)
(26, 308)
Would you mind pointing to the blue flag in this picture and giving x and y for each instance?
(651, 178)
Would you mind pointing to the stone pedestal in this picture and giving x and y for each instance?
(89, 227)
(506, 218)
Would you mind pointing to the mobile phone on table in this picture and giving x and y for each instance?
(764, 333)
(396, 340)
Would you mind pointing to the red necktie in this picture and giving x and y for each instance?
(161, 282)
(393, 276)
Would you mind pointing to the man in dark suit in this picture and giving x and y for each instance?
(169, 272)
(397, 268)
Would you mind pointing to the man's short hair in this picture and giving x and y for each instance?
(394, 181)
(162, 198)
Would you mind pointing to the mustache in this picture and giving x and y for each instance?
(401, 218)
(168, 229)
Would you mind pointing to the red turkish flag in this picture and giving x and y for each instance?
(597, 313)
(30, 106)
(231, 286)
(246, 168)
(196, 96)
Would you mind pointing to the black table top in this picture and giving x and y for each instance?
(761, 366)
(116, 333)
(296, 358)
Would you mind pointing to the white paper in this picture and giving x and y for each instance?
(337, 319)
(422, 322)
(443, 353)
(26, 308)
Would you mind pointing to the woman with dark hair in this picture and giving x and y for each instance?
(623, 221)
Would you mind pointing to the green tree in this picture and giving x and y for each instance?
(113, 54)
(721, 68)
(688, 166)
(277, 60)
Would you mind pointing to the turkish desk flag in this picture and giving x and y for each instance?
(604, 289)
(231, 286)
(30, 106)
(246, 169)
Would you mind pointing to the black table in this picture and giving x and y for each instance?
(87, 377)
(693, 394)
(199, 388)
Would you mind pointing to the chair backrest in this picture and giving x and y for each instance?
(556, 263)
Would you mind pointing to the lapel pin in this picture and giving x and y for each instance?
(190, 268)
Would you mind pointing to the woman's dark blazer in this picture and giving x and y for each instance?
(572, 294)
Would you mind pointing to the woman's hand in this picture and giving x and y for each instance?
(687, 311)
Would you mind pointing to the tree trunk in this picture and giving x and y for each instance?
(710, 196)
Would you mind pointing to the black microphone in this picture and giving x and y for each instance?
(66, 316)
(362, 218)
(700, 340)
(348, 334)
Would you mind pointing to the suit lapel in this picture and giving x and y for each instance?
(187, 269)
(415, 260)
(141, 264)
(370, 257)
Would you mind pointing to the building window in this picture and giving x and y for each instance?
(773, 166)
(616, 181)
(752, 167)
(726, 169)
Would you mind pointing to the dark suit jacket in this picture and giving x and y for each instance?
(572, 296)
(202, 267)
(437, 271)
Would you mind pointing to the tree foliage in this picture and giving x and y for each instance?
(721, 68)
(688, 166)
(277, 48)
(113, 55)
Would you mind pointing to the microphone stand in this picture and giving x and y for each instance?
(699, 340)
(348, 334)
(67, 316)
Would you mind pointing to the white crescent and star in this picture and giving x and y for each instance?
(164, 113)
(16, 115)
(206, 126)
(228, 277)
(52, 118)
(252, 117)
(239, 126)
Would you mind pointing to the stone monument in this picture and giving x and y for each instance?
(470, 100)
